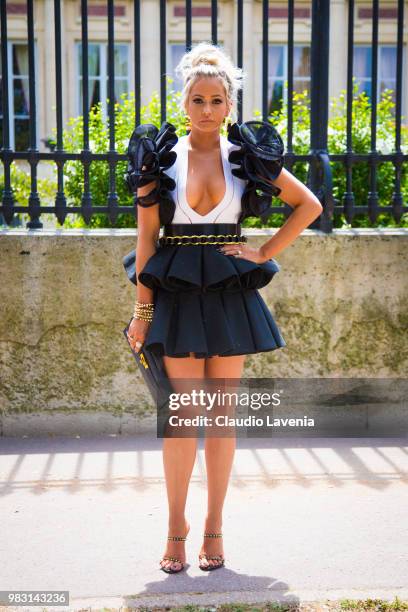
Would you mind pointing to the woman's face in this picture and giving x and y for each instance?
(207, 104)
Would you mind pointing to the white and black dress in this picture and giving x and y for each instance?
(206, 302)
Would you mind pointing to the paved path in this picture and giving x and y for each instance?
(303, 520)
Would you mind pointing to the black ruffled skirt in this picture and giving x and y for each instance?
(206, 302)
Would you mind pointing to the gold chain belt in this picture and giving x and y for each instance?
(203, 239)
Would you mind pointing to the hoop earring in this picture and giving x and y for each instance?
(188, 123)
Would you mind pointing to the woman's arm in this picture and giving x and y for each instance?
(307, 209)
(148, 225)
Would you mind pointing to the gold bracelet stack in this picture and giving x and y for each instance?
(143, 311)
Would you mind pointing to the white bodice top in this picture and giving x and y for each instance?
(227, 210)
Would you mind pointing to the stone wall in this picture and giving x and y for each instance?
(340, 300)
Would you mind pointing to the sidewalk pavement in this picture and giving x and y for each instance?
(304, 520)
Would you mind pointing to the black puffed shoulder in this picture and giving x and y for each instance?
(150, 154)
(260, 156)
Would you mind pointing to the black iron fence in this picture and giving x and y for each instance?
(319, 158)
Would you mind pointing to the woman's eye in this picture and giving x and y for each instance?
(217, 101)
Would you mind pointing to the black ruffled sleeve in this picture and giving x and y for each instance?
(149, 156)
(260, 156)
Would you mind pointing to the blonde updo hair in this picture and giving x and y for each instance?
(208, 60)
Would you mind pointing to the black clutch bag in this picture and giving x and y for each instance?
(154, 374)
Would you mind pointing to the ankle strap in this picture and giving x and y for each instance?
(177, 538)
(213, 535)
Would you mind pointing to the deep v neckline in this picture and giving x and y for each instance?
(182, 184)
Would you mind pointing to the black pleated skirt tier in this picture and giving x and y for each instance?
(206, 302)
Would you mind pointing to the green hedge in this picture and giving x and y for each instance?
(124, 122)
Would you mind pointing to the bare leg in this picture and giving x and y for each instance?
(219, 456)
(178, 460)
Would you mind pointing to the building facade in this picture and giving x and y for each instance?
(201, 30)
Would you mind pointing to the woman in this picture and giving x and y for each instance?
(198, 304)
